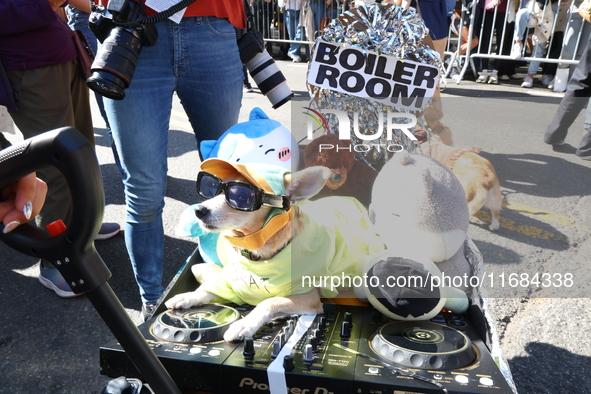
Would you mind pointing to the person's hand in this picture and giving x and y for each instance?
(328, 3)
(22, 201)
(401, 3)
(493, 4)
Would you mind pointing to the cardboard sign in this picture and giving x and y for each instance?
(385, 79)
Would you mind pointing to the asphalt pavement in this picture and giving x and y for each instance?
(51, 345)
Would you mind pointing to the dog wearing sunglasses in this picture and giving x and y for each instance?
(272, 238)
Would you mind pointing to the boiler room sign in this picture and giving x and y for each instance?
(400, 83)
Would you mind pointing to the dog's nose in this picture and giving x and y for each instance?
(201, 211)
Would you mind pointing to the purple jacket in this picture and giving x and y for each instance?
(31, 36)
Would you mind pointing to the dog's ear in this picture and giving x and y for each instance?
(306, 183)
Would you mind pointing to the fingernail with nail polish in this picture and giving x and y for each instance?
(11, 226)
(28, 209)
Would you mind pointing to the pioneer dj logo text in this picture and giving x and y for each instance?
(248, 382)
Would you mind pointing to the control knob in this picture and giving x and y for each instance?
(248, 347)
(288, 363)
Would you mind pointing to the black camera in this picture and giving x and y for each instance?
(121, 31)
(262, 67)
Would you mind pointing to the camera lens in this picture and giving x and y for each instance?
(269, 79)
(115, 62)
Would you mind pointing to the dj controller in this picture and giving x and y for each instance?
(346, 349)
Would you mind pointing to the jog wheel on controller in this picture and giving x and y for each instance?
(207, 323)
(424, 345)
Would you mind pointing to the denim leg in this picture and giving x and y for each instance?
(292, 20)
(209, 76)
(183, 59)
(539, 53)
(139, 124)
(319, 9)
(521, 19)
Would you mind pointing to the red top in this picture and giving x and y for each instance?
(233, 10)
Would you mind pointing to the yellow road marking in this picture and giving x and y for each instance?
(536, 213)
(530, 231)
(544, 215)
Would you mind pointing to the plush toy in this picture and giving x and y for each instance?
(419, 209)
(259, 140)
(349, 177)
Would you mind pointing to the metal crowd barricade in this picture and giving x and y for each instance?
(270, 18)
(564, 20)
(270, 21)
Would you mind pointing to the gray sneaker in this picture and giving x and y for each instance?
(148, 310)
(53, 280)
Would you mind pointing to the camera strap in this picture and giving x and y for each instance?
(149, 20)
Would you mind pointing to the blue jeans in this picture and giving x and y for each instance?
(319, 9)
(198, 59)
(292, 20)
(521, 19)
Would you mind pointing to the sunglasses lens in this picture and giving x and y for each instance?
(208, 186)
(240, 197)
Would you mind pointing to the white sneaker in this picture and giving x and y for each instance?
(483, 78)
(527, 82)
(547, 79)
(295, 58)
(517, 50)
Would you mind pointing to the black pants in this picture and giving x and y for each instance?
(498, 25)
(575, 99)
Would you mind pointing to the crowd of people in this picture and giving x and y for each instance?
(514, 29)
(198, 59)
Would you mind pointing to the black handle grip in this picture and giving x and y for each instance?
(72, 251)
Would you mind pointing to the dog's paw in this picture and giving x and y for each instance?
(184, 301)
(239, 330)
(494, 225)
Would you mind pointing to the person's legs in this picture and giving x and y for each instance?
(46, 102)
(78, 20)
(574, 100)
(485, 38)
(521, 19)
(587, 123)
(292, 20)
(319, 9)
(209, 80)
(199, 58)
(434, 111)
(140, 129)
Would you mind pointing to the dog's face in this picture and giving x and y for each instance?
(216, 216)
